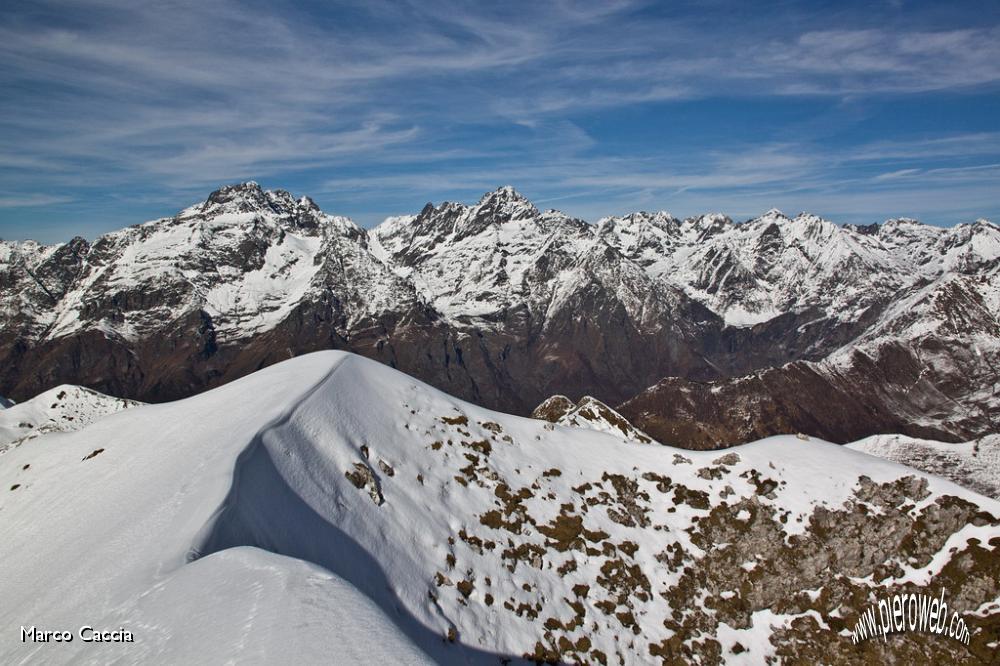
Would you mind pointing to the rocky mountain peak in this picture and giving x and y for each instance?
(78, 243)
(308, 203)
(864, 229)
(553, 409)
(661, 219)
(589, 413)
(504, 203)
(772, 215)
(238, 198)
(809, 226)
(643, 237)
(504, 194)
(983, 224)
(808, 218)
(233, 203)
(708, 225)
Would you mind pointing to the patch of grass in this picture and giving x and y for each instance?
(492, 427)
(482, 446)
(567, 532)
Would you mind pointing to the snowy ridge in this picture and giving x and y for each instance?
(470, 261)
(63, 409)
(751, 272)
(476, 534)
(975, 465)
(591, 413)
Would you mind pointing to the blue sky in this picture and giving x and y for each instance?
(115, 112)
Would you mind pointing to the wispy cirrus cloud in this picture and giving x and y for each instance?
(382, 103)
(29, 200)
(893, 175)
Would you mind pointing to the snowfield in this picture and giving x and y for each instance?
(332, 508)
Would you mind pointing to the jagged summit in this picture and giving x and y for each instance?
(661, 219)
(774, 214)
(505, 204)
(505, 194)
(248, 195)
(709, 223)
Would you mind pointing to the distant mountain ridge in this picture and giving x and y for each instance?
(505, 305)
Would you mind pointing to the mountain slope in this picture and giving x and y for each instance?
(166, 308)
(975, 464)
(476, 533)
(545, 303)
(926, 367)
(62, 409)
(251, 603)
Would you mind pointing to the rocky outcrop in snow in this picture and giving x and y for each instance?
(590, 413)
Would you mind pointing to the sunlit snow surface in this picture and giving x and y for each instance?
(224, 527)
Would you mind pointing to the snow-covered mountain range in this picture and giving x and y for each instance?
(844, 331)
(331, 507)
